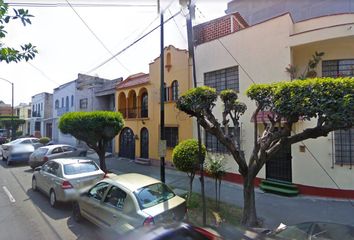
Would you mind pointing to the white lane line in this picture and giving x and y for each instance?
(12, 199)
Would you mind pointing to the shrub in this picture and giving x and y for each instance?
(44, 140)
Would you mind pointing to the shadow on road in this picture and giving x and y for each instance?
(63, 210)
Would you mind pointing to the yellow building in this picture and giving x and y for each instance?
(138, 99)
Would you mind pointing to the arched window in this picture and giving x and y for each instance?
(67, 103)
(72, 100)
(144, 105)
(62, 102)
(174, 90)
(56, 104)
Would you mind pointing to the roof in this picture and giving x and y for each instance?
(132, 181)
(70, 160)
(55, 145)
(133, 80)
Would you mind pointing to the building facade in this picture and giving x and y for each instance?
(41, 115)
(86, 93)
(138, 99)
(259, 53)
(23, 111)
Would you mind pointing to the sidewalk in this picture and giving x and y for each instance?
(272, 209)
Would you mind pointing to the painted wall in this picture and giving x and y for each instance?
(262, 52)
(261, 10)
(42, 104)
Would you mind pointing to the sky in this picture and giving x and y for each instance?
(77, 39)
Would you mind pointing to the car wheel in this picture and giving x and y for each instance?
(52, 198)
(76, 212)
(34, 184)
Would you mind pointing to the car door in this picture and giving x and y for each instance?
(54, 179)
(119, 211)
(69, 151)
(56, 152)
(90, 203)
(44, 176)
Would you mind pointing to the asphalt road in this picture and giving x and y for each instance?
(25, 214)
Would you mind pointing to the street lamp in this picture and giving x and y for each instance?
(12, 107)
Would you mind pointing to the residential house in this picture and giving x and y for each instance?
(86, 93)
(138, 98)
(23, 111)
(5, 109)
(41, 118)
(239, 54)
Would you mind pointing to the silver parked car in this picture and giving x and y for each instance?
(61, 178)
(43, 154)
(124, 202)
(19, 149)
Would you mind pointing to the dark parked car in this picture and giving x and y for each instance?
(174, 231)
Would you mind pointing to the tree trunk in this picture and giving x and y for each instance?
(216, 193)
(249, 217)
(102, 157)
(191, 178)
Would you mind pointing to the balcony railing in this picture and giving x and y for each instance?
(36, 114)
(61, 111)
(134, 112)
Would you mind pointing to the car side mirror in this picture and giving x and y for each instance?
(37, 169)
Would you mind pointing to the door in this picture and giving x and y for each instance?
(127, 144)
(279, 167)
(91, 203)
(144, 143)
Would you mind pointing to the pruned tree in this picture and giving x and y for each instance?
(185, 158)
(96, 129)
(327, 102)
(10, 54)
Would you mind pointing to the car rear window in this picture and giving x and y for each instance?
(80, 167)
(153, 194)
(41, 151)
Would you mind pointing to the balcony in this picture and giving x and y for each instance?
(132, 113)
(36, 114)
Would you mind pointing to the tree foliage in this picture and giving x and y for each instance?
(7, 122)
(185, 158)
(10, 54)
(328, 102)
(96, 129)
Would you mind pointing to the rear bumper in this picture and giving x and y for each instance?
(67, 195)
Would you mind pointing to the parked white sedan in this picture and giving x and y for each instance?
(19, 149)
(61, 178)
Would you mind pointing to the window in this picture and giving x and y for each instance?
(166, 93)
(144, 105)
(171, 136)
(214, 145)
(174, 90)
(83, 103)
(344, 146)
(115, 197)
(337, 68)
(80, 167)
(37, 126)
(62, 102)
(57, 150)
(56, 104)
(97, 192)
(72, 100)
(68, 149)
(223, 79)
(67, 103)
(153, 194)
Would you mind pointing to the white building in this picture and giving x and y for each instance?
(41, 118)
(230, 53)
(23, 111)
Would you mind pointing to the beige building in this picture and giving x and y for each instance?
(23, 111)
(138, 99)
(232, 54)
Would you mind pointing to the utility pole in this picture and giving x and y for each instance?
(191, 9)
(162, 144)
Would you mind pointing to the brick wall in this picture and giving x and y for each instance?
(216, 28)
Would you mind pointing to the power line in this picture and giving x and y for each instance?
(179, 30)
(95, 35)
(133, 43)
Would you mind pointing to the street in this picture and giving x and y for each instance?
(25, 214)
